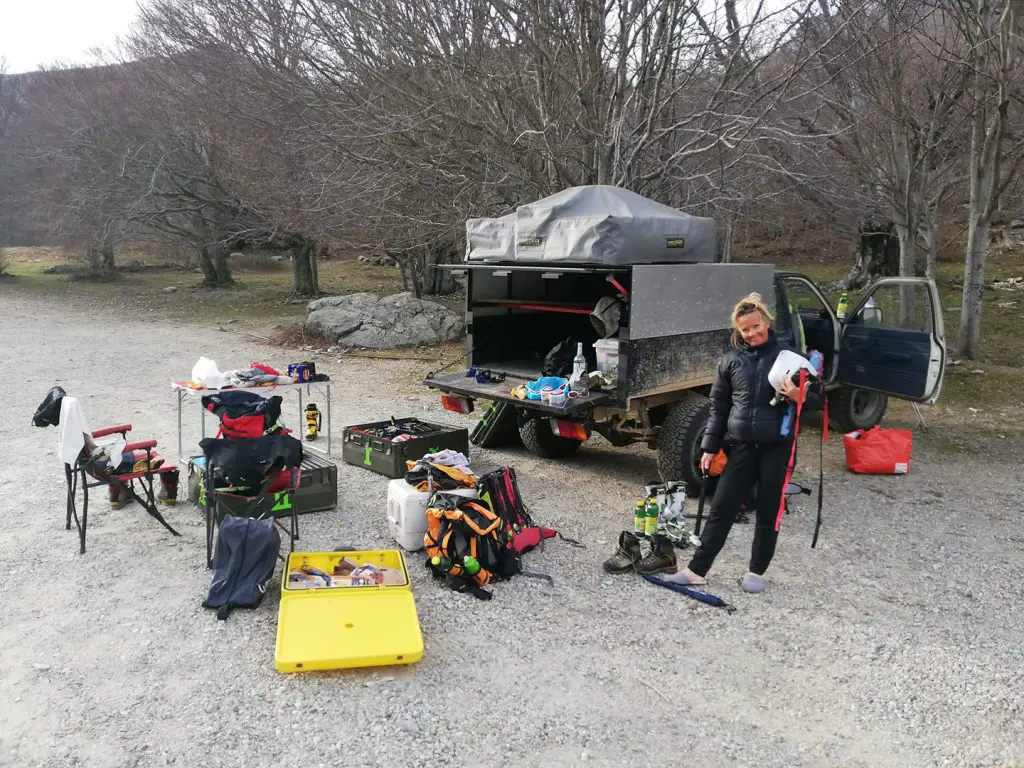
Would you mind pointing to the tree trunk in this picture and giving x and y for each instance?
(304, 277)
(206, 264)
(222, 265)
(101, 260)
(907, 237)
(878, 255)
(929, 233)
(969, 334)
(213, 259)
(420, 272)
(727, 240)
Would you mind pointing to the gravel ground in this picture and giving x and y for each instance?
(898, 641)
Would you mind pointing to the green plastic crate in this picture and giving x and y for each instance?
(389, 457)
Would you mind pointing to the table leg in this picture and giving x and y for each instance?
(181, 453)
(328, 388)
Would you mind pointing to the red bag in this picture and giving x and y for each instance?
(878, 451)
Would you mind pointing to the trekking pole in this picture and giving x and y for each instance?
(695, 536)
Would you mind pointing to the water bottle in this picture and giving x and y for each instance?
(651, 521)
(844, 302)
(579, 363)
(470, 565)
(640, 519)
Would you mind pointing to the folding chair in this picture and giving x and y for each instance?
(88, 464)
(276, 494)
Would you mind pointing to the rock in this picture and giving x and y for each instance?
(1016, 224)
(41, 667)
(170, 289)
(364, 320)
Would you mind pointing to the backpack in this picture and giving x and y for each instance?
(243, 564)
(499, 490)
(457, 529)
(244, 414)
(558, 362)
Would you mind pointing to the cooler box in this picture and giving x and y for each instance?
(317, 492)
(346, 609)
(388, 457)
(407, 512)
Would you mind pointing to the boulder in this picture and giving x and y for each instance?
(364, 320)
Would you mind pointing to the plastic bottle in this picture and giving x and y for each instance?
(470, 565)
(651, 521)
(844, 303)
(640, 519)
(441, 563)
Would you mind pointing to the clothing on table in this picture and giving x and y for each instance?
(749, 463)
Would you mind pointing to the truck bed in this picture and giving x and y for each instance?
(460, 384)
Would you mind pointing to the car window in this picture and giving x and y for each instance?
(903, 307)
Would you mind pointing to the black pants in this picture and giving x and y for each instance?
(749, 463)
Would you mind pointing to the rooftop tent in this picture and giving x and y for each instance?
(594, 225)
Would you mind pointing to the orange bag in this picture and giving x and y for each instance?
(878, 451)
(718, 464)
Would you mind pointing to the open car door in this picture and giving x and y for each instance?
(893, 340)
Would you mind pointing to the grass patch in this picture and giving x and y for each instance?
(263, 298)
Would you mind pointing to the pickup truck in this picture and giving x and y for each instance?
(673, 327)
(547, 274)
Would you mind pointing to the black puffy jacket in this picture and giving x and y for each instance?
(740, 397)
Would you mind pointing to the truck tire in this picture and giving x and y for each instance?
(851, 409)
(679, 443)
(539, 440)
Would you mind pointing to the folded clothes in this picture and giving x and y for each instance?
(450, 458)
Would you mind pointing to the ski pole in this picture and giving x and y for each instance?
(695, 536)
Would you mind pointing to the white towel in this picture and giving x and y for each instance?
(73, 434)
(72, 430)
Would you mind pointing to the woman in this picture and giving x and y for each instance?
(742, 416)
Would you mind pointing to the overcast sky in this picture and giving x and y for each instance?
(34, 32)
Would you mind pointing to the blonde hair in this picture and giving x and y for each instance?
(752, 302)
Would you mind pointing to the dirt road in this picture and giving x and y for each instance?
(896, 642)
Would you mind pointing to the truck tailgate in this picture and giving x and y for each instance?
(460, 384)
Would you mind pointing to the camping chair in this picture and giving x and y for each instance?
(88, 464)
(276, 494)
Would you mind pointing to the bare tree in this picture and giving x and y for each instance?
(994, 29)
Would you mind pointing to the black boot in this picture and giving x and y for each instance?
(626, 556)
(661, 558)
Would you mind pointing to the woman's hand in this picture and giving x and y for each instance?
(705, 462)
(793, 392)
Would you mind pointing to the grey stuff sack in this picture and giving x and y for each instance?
(243, 564)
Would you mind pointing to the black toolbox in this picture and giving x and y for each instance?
(318, 490)
(363, 447)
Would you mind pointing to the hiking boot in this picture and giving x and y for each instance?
(119, 495)
(661, 558)
(626, 556)
(168, 493)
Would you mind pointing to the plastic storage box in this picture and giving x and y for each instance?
(362, 448)
(407, 512)
(346, 609)
(607, 354)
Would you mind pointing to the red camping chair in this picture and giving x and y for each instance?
(88, 472)
(88, 464)
(276, 495)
